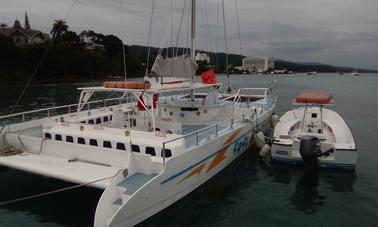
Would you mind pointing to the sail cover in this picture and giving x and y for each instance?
(181, 66)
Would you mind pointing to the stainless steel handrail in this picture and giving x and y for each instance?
(70, 106)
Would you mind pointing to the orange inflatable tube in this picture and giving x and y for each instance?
(314, 98)
(126, 85)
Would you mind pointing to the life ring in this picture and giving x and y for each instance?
(205, 111)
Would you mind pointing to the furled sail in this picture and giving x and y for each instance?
(181, 66)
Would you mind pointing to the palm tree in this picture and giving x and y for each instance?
(59, 28)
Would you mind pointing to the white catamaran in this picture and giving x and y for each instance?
(160, 140)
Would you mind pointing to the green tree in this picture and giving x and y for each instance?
(59, 28)
(70, 38)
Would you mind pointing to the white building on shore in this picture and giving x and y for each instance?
(202, 57)
(258, 64)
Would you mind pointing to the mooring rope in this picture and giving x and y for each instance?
(55, 191)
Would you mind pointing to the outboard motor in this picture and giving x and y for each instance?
(310, 151)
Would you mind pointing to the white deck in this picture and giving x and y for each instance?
(77, 171)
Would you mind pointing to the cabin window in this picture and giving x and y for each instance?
(106, 119)
(80, 140)
(134, 122)
(91, 122)
(58, 137)
(47, 135)
(69, 139)
(93, 142)
(189, 109)
(98, 121)
(150, 151)
(314, 115)
(135, 148)
(111, 117)
(83, 122)
(121, 146)
(107, 144)
(168, 153)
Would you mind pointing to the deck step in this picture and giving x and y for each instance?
(134, 182)
(118, 202)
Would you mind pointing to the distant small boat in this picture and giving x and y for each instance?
(341, 73)
(354, 73)
(310, 73)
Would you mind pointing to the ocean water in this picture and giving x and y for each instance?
(248, 192)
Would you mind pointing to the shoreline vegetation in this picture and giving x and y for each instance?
(91, 56)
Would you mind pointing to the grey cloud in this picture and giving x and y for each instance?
(330, 31)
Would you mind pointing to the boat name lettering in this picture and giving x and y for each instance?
(281, 152)
(240, 144)
(159, 134)
(166, 119)
(65, 124)
(98, 128)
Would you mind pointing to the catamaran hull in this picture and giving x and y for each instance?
(341, 158)
(181, 175)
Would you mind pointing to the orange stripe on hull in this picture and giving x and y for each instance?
(221, 155)
(194, 172)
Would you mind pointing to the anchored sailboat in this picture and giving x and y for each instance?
(160, 140)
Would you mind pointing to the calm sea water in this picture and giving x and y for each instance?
(247, 193)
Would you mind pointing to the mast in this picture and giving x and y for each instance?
(193, 36)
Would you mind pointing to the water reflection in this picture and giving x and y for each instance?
(311, 189)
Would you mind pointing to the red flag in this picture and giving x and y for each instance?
(141, 104)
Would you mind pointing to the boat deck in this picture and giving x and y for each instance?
(74, 171)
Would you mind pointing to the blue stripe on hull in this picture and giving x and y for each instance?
(205, 159)
(321, 164)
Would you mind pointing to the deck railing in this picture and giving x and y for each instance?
(58, 110)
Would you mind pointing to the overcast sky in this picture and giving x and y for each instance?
(339, 32)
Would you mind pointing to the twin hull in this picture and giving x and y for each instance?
(181, 175)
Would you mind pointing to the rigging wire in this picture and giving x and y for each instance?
(217, 46)
(206, 22)
(187, 37)
(180, 25)
(225, 44)
(171, 29)
(41, 60)
(149, 37)
(123, 45)
(238, 22)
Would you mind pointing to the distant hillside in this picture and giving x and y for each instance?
(219, 59)
(309, 66)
